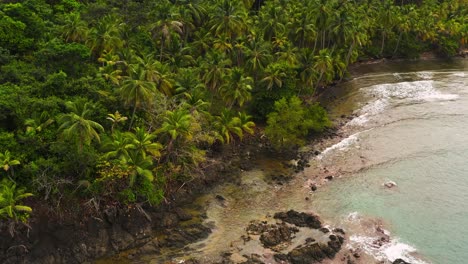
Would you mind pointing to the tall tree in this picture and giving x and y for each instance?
(77, 127)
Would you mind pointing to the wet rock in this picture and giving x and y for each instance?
(281, 178)
(277, 234)
(400, 261)
(306, 255)
(324, 230)
(169, 220)
(339, 230)
(313, 187)
(281, 258)
(335, 242)
(299, 219)
(151, 247)
(182, 215)
(390, 184)
(256, 228)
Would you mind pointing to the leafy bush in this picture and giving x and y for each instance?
(291, 122)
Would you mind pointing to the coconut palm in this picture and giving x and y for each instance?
(215, 68)
(236, 88)
(139, 166)
(229, 19)
(116, 118)
(74, 29)
(228, 126)
(257, 56)
(167, 24)
(136, 91)
(106, 35)
(144, 143)
(176, 126)
(76, 126)
(324, 65)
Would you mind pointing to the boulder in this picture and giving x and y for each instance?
(277, 234)
(390, 184)
(399, 261)
(299, 219)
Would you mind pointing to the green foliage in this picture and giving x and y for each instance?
(188, 74)
(291, 122)
(10, 197)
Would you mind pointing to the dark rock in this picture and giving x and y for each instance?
(169, 220)
(299, 219)
(220, 198)
(281, 258)
(276, 234)
(256, 228)
(313, 187)
(316, 153)
(307, 198)
(335, 242)
(324, 230)
(400, 261)
(307, 254)
(309, 240)
(182, 215)
(339, 230)
(330, 177)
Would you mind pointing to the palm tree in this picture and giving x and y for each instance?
(9, 199)
(271, 22)
(177, 124)
(246, 123)
(228, 19)
(324, 65)
(237, 88)
(116, 145)
(227, 126)
(156, 72)
(257, 56)
(143, 142)
(75, 29)
(166, 24)
(216, 64)
(274, 76)
(307, 72)
(136, 91)
(116, 118)
(139, 166)
(106, 35)
(76, 125)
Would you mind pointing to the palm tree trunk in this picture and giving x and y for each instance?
(133, 117)
(398, 43)
(162, 47)
(383, 43)
(318, 82)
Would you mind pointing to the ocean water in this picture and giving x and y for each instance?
(411, 128)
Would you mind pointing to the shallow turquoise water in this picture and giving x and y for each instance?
(415, 127)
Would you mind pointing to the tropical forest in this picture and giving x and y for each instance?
(115, 113)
